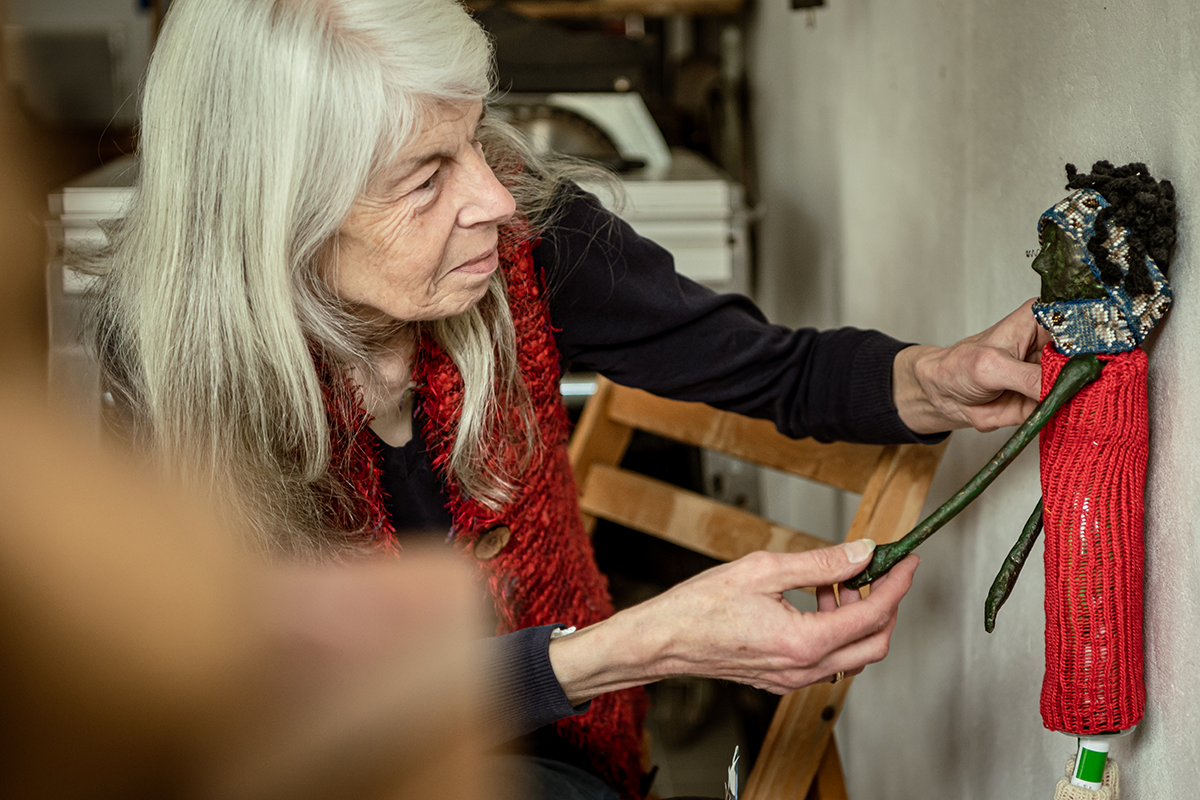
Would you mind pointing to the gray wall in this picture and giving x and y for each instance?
(906, 149)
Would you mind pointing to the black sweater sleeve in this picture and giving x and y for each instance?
(521, 692)
(620, 309)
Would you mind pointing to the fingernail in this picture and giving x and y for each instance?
(859, 550)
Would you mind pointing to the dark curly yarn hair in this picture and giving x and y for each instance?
(1146, 207)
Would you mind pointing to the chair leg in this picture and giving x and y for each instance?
(796, 743)
(829, 784)
(598, 439)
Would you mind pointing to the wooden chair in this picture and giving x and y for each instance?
(799, 758)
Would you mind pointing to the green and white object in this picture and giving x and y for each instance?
(1089, 762)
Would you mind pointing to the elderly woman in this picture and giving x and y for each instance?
(341, 302)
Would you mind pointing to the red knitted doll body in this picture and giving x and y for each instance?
(1093, 460)
(1102, 293)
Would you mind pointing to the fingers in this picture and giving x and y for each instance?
(825, 601)
(981, 381)
(1017, 332)
(731, 623)
(887, 591)
(1027, 379)
(999, 357)
(1042, 338)
(852, 636)
(897, 581)
(867, 626)
(857, 620)
(1014, 368)
(823, 567)
(846, 596)
(854, 656)
(998, 372)
(849, 595)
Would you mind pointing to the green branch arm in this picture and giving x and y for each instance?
(1078, 372)
(1010, 570)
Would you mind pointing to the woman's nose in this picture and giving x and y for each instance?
(488, 202)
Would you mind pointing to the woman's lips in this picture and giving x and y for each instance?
(485, 264)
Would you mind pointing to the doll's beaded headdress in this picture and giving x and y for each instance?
(1113, 324)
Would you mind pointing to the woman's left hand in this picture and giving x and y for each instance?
(987, 381)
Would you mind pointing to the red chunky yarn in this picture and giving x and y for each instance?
(356, 506)
(546, 573)
(1093, 464)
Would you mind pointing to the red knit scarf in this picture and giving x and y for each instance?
(546, 573)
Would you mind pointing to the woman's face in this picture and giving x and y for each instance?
(421, 243)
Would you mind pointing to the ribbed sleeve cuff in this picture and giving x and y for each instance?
(875, 417)
(520, 691)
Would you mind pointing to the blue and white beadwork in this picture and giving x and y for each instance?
(1101, 325)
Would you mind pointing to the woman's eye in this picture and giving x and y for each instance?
(427, 184)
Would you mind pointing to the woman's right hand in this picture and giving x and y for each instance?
(732, 622)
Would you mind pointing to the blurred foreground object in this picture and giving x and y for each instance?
(145, 655)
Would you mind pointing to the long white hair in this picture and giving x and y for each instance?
(264, 120)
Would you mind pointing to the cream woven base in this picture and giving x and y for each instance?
(1107, 790)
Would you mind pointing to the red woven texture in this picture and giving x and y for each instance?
(1093, 456)
(359, 509)
(547, 573)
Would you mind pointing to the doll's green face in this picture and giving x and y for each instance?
(1065, 275)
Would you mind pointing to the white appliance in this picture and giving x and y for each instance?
(697, 214)
(678, 199)
(79, 211)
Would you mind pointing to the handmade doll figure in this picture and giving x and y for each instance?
(1093, 461)
(1104, 251)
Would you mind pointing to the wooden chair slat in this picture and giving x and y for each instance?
(685, 518)
(843, 466)
(597, 439)
(896, 492)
